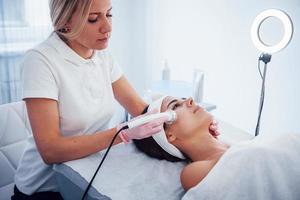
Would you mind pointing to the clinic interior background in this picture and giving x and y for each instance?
(213, 36)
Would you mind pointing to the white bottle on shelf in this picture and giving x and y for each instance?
(198, 82)
(166, 72)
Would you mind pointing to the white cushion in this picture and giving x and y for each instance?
(14, 130)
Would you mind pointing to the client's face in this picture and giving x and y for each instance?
(191, 118)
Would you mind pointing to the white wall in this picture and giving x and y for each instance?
(214, 36)
(128, 40)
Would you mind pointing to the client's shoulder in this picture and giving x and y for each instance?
(195, 172)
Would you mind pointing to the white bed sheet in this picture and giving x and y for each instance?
(264, 168)
(129, 174)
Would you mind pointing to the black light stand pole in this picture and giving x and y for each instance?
(266, 58)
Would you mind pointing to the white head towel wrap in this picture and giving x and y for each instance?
(160, 137)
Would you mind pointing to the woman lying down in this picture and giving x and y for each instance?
(263, 168)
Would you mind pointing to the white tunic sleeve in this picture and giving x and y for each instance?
(38, 81)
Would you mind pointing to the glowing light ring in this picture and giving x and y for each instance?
(288, 30)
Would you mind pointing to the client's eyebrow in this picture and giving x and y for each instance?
(174, 100)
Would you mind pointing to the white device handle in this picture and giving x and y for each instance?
(143, 120)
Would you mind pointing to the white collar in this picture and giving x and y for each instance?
(68, 53)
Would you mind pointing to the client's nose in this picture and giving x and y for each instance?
(190, 101)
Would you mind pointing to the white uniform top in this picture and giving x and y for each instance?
(83, 90)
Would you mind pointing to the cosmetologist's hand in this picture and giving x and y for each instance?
(142, 131)
(214, 129)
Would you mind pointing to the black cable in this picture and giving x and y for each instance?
(259, 113)
(112, 141)
(258, 66)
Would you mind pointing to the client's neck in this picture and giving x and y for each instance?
(204, 147)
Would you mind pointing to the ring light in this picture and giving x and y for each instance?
(268, 50)
(288, 30)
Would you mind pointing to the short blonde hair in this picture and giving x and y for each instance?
(61, 12)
